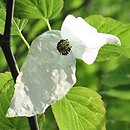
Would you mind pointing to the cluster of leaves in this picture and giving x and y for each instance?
(82, 108)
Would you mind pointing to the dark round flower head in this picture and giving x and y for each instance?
(64, 47)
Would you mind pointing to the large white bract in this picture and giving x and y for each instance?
(85, 39)
(46, 76)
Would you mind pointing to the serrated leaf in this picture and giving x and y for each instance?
(81, 109)
(108, 25)
(38, 9)
(18, 25)
(6, 85)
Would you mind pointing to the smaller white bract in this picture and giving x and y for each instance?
(85, 39)
(48, 72)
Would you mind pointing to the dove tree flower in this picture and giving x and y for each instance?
(48, 72)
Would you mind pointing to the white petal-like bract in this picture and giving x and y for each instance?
(85, 39)
(111, 39)
(46, 76)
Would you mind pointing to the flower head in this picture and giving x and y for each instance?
(48, 72)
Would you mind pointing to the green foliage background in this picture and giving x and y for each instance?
(109, 78)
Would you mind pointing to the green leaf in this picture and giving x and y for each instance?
(118, 125)
(41, 121)
(6, 93)
(117, 82)
(117, 110)
(2, 4)
(38, 9)
(125, 95)
(2, 20)
(49, 122)
(108, 25)
(119, 76)
(4, 78)
(81, 109)
(17, 27)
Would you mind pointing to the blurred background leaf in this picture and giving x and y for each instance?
(119, 76)
(118, 125)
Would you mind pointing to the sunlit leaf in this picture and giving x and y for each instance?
(81, 109)
(38, 9)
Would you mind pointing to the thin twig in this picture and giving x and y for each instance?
(7, 50)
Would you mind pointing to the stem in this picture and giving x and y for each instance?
(6, 48)
(8, 22)
(21, 35)
(48, 24)
(24, 40)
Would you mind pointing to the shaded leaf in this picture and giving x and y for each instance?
(18, 25)
(118, 125)
(119, 76)
(2, 4)
(4, 78)
(2, 20)
(6, 85)
(49, 122)
(116, 109)
(41, 120)
(38, 9)
(125, 95)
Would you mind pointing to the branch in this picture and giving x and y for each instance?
(7, 50)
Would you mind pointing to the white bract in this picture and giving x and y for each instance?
(85, 39)
(46, 75)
